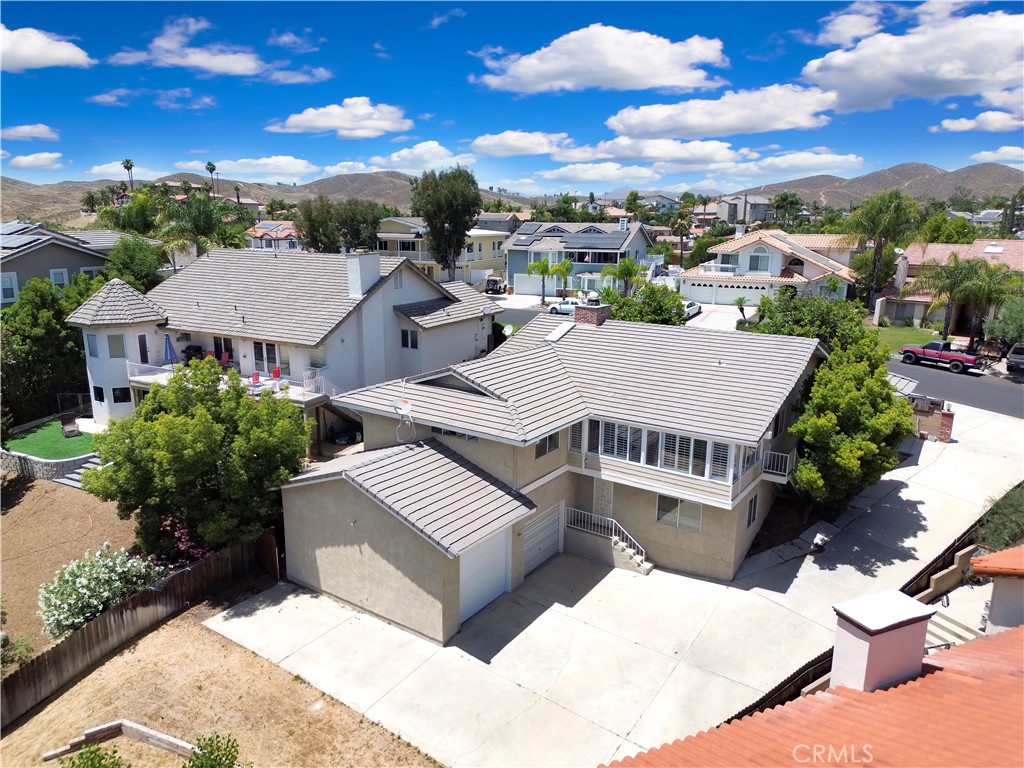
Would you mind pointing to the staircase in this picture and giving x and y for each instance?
(945, 631)
(629, 557)
(74, 479)
(626, 552)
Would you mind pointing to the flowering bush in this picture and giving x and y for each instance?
(84, 588)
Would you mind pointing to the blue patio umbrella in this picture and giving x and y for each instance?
(169, 354)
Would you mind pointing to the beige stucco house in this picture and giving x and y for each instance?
(629, 443)
(405, 237)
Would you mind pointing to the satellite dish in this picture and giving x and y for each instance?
(508, 330)
(487, 309)
(402, 406)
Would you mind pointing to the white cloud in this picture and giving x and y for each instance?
(993, 122)
(845, 27)
(608, 58)
(941, 57)
(293, 42)
(443, 18)
(404, 138)
(29, 132)
(601, 173)
(349, 166)
(281, 167)
(4, 154)
(29, 48)
(198, 152)
(172, 48)
(1010, 99)
(425, 156)
(1008, 155)
(511, 143)
(355, 118)
(797, 164)
(40, 161)
(112, 98)
(174, 98)
(677, 155)
(774, 108)
(114, 170)
(380, 51)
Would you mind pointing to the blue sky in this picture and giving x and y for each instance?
(533, 96)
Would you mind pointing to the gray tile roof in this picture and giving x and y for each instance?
(723, 384)
(606, 236)
(290, 297)
(104, 239)
(116, 303)
(467, 305)
(407, 480)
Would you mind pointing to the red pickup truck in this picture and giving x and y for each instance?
(940, 352)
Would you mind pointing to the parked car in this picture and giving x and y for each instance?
(940, 352)
(691, 309)
(565, 306)
(496, 285)
(1015, 358)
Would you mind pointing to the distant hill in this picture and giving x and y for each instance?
(61, 201)
(915, 179)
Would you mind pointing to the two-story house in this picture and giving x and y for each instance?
(744, 209)
(405, 237)
(277, 235)
(661, 203)
(759, 263)
(303, 325)
(625, 442)
(30, 251)
(591, 247)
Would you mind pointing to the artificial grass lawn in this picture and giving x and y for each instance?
(895, 337)
(48, 442)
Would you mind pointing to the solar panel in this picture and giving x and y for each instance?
(528, 228)
(17, 241)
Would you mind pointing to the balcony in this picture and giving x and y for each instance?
(311, 389)
(710, 267)
(778, 467)
(421, 256)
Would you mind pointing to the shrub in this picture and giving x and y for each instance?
(84, 588)
(93, 756)
(884, 322)
(1003, 525)
(908, 322)
(214, 751)
(12, 651)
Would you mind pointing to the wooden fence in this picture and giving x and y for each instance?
(55, 667)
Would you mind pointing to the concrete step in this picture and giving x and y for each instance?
(946, 626)
(66, 481)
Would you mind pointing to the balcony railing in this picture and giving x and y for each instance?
(778, 466)
(602, 526)
(423, 256)
(712, 267)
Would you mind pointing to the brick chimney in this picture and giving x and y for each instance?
(363, 272)
(879, 640)
(588, 314)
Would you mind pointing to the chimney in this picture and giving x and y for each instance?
(879, 640)
(588, 314)
(741, 230)
(363, 272)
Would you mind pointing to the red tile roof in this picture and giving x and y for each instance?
(1007, 562)
(965, 710)
(1010, 252)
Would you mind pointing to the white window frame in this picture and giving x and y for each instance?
(91, 271)
(9, 281)
(759, 252)
(92, 345)
(110, 347)
(398, 279)
(676, 519)
(60, 273)
(280, 355)
(752, 510)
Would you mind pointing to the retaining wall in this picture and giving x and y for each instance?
(41, 469)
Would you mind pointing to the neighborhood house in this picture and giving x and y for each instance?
(475, 474)
(405, 237)
(30, 251)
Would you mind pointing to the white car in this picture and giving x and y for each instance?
(691, 309)
(565, 306)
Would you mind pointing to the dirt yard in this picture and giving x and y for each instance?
(44, 526)
(186, 680)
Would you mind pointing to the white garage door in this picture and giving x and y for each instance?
(483, 574)
(540, 539)
(701, 294)
(528, 285)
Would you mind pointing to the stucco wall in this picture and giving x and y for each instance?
(342, 543)
(1007, 609)
(39, 262)
(561, 490)
(110, 372)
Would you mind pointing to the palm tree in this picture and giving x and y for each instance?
(238, 194)
(988, 287)
(628, 271)
(945, 281)
(888, 217)
(199, 224)
(210, 168)
(90, 200)
(206, 187)
(186, 187)
(543, 268)
(122, 187)
(741, 303)
(787, 205)
(128, 165)
(563, 270)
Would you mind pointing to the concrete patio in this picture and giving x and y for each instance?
(583, 664)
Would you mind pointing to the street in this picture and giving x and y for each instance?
(979, 390)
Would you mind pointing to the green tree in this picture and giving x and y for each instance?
(851, 427)
(963, 199)
(786, 206)
(211, 169)
(94, 756)
(191, 225)
(140, 215)
(652, 303)
(563, 271)
(988, 287)
(700, 254)
(837, 324)
(863, 266)
(136, 261)
(888, 217)
(1008, 324)
(545, 269)
(945, 281)
(449, 202)
(13, 651)
(199, 460)
(358, 222)
(956, 230)
(627, 271)
(129, 166)
(565, 209)
(633, 204)
(213, 751)
(91, 200)
(317, 225)
(741, 304)
(238, 194)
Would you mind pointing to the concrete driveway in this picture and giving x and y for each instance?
(719, 316)
(583, 664)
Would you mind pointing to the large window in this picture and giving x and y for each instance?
(679, 513)
(122, 394)
(59, 277)
(576, 437)
(91, 271)
(759, 259)
(318, 357)
(267, 357)
(547, 445)
(680, 453)
(9, 285)
(752, 510)
(115, 345)
(97, 394)
(222, 344)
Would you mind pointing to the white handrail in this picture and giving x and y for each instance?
(602, 526)
(779, 463)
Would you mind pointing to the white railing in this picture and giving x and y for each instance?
(144, 369)
(710, 266)
(779, 464)
(602, 526)
(411, 255)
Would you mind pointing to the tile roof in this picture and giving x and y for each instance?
(965, 710)
(786, 276)
(1009, 252)
(783, 242)
(404, 480)
(116, 303)
(467, 305)
(275, 230)
(1006, 562)
(292, 297)
(606, 237)
(104, 239)
(816, 241)
(532, 386)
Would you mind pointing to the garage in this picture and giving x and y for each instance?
(541, 539)
(483, 574)
(528, 284)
